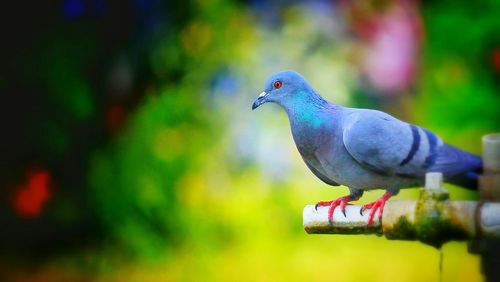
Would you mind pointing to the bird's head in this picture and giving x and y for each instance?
(282, 88)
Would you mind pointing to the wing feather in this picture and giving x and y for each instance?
(384, 144)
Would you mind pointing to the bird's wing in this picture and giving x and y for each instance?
(321, 175)
(388, 146)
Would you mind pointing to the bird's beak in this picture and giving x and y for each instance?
(260, 100)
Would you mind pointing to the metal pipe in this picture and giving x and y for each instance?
(491, 153)
(489, 181)
(488, 244)
(408, 220)
(433, 219)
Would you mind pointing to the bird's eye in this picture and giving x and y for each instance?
(278, 84)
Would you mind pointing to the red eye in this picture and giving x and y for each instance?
(278, 84)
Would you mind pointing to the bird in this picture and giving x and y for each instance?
(363, 149)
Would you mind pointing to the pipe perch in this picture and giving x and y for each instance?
(432, 219)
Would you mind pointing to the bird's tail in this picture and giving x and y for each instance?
(459, 167)
(468, 180)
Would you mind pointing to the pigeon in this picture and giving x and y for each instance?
(363, 149)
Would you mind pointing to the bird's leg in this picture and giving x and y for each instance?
(341, 202)
(374, 206)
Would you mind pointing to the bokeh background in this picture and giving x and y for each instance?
(129, 151)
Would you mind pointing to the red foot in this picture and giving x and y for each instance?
(374, 206)
(342, 202)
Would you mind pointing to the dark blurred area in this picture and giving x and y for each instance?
(65, 93)
(127, 135)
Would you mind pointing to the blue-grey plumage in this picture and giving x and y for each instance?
(363, 149)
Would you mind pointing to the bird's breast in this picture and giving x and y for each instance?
(309, 139)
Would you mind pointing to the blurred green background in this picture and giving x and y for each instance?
(130, 152)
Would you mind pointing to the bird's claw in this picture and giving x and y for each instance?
(341, 202)
(374, 206)
(365, 207)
